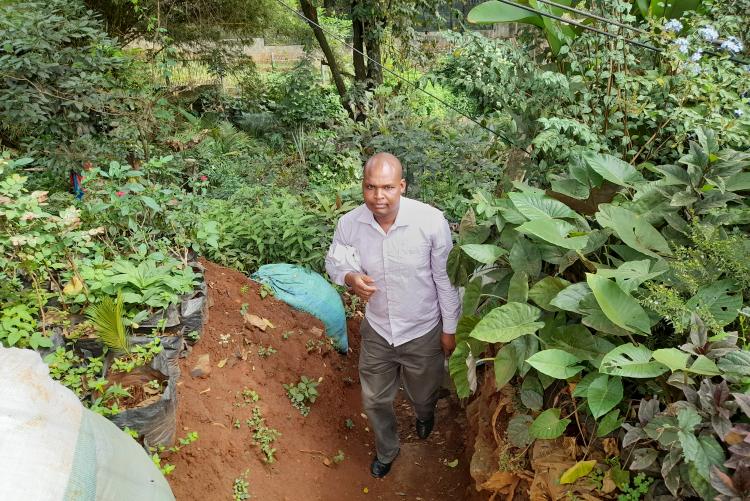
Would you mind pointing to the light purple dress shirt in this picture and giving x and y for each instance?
(408, 265)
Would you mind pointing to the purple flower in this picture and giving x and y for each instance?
(696, 56)
(732, 44)
(682, 45)
(709, 33)
(673, 25)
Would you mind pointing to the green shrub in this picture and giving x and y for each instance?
(61, 81)
(602, 304)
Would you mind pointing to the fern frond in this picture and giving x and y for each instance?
(107, 318)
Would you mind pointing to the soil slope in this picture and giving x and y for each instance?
(303, 470)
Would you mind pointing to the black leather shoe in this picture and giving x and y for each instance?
(379, 470)
(424, 428)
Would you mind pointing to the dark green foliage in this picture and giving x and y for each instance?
(60, 75)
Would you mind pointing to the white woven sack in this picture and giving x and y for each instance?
(52, 448)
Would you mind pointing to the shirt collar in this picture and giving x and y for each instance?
(403, 217)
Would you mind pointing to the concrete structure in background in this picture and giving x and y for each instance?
(271, 55)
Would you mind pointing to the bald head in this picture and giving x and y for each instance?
(382, 186)
(386, 162)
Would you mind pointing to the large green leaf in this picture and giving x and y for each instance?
(577, 340)
(628, 360)
(613, 169)
(633, 229)
(525, 346)
(505, 365)
(458, 369)
(569, 299)
(609, 423)
(507, 322)
(458, 266)
(704, 366)
(738, 182)
(545, 291)
(472, 295)
(554, 231)
(630, 274)
(736, 364)
(703, 452)
(603, 394)
(621, 308)
(518, 288)
(484, 253)
(536, 206)
(532, 393)
(548, 425)
(518, 430)
(497, 12)
(673, 358)
(722, 299)
(525, 257)
(555, 363)
(465, 346)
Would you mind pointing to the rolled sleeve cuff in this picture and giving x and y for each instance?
(340, 277)
(449, 325)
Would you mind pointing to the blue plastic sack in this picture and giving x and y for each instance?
(310, 292)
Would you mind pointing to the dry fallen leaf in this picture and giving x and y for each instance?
(608, 484)
(73, 287)
(222, 363)
(326, 461)
(256, 321)
(148, 401)
(610, 447)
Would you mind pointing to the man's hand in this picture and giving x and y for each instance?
(448, 342)
(362, 285)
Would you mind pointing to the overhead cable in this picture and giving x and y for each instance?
(393, 73)
(594, 16)
(597, 30)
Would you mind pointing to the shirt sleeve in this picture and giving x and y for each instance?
(450, 306)
(337, 268)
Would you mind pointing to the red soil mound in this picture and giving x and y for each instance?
(304, 468)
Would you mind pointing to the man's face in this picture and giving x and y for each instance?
(382, 187)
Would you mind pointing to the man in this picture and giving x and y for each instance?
(392, 252)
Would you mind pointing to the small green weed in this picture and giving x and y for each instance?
(349, 424)
(244, 289)
(265, 352)
(636, 490)
(240, 487)
(158, 451)
(248, 396)
(339, 457)
(302, 393)
(265, 291)
(263, 436)
(286, 335)
(243, 309)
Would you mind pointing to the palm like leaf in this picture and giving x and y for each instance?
(107, 318)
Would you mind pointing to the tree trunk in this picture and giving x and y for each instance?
(312, 15)
(372, 42)
(358, 44)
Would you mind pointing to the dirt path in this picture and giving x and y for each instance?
(213, 406)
